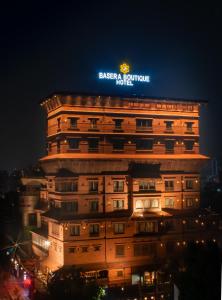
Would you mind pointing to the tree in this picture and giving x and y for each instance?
(198, 273)
(68, 283)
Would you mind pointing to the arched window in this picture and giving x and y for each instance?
(139, 204)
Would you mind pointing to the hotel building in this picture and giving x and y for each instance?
(123, 185)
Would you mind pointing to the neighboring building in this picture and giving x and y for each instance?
(122, 185)
(32, 187)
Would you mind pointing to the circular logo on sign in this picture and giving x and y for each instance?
(124, 68)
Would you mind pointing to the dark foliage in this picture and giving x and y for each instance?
(67, 283)
(198, 275)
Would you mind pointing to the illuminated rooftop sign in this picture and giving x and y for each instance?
(125, 78)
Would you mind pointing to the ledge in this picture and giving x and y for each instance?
(113, 156)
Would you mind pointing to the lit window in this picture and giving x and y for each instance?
(120, 250)
(149, 278)
(154, 203)
(74, 230)
(118, 204)
(146, 203)
(118, 186)
(190, 202)
(169, 202)
(119, 228)
(139, 204)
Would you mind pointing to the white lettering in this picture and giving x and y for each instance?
(124, 79)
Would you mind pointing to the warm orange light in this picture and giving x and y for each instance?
(124, 68)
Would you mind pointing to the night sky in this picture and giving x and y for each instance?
(47, 47)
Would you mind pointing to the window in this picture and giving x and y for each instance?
(67, 186)
(149, 278)
(73, 123)
(170, 225)
(32, 219)
(119, 273)
(93, 123)
(189, 145)
(144, 123)
(154, 203)
(144, 144)
(189, 184)
(144, 227)
(169, 185)
(49, 147)
(189, 127)
(70, 206)
(120, 250)
(93, 145)
(169, 144)
(118, 123)
(73, 144)
(84, 249)
(72, 249)
(118, 204)
(74, 230)
(118, 186)
(58, 146)
(94, 229)
(119, 228)
(143, 249)
(58, 124)
(93, 186)
(169, 202)
(97, 247)
(169, 125)
(118, 144)
(94, 205)
(189, 202)
(55, 229)
(147, 203)
(139, 204)
(146, 185)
